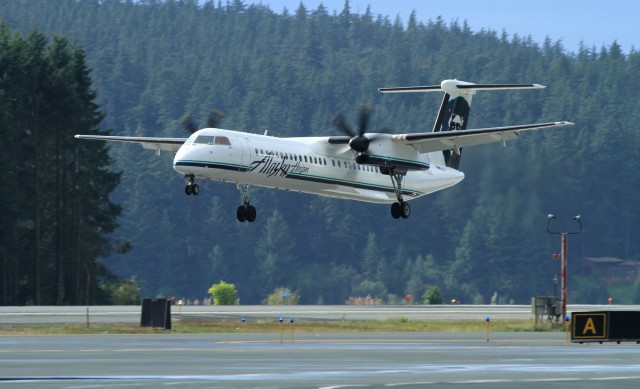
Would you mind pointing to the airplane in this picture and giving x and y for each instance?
(359, 165)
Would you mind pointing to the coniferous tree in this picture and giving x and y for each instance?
(60, 217)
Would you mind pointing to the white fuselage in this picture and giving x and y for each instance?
(309, 165)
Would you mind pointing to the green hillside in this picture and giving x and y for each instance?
(289, 73)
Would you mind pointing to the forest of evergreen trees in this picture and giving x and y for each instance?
(56, 213)
(289, 72)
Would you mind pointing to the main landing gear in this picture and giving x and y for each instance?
(246, 212)
(399, 209)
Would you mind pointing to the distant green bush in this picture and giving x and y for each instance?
(283, 296)
(124, 292)
(432, 296)
(223, 293)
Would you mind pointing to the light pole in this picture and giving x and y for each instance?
(563, 256)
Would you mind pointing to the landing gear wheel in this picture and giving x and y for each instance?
(405, 210)
(241, 214)
(192, 188)
(400, 210)
(251, 213)
(246, 213)
(395, 210)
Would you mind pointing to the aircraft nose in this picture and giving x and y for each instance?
(183, 160)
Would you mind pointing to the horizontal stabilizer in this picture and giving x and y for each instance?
(455, 87)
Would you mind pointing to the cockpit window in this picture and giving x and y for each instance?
(222, 140)
(212, 140)
(204, 140)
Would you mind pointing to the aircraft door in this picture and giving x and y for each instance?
(243, 151)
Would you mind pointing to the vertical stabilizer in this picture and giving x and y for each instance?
(453, 114)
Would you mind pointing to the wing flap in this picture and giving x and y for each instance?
(437, 141)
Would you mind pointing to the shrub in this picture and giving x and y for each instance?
(432, 296)
(223, 293)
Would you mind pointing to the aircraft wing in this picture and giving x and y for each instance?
(427, 142)
(157, 144)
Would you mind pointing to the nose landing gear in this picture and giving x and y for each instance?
(192, 188)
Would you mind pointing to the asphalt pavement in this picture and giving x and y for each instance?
(365, 360)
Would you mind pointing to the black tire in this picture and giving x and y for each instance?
(251, 213)
(195, 189)
(405, 210)
(395, 210)
(187, 190)
(241, 214)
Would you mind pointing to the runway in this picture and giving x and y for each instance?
(364, 360)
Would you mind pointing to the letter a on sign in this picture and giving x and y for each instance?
(589, 326)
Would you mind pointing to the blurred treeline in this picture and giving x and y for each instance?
(289, 72)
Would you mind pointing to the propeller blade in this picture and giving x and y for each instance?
(215, 117)
(339, 121)
(365, 115)
(188, 124)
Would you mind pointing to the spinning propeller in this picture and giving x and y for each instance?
(358, 141)
(213, 120)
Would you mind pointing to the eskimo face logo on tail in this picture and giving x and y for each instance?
(456, 115)
(455, 120)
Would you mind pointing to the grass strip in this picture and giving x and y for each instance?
(300, 326)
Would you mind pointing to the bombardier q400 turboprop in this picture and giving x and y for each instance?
(372, 167)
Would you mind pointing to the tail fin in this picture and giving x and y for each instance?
(454, 109)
